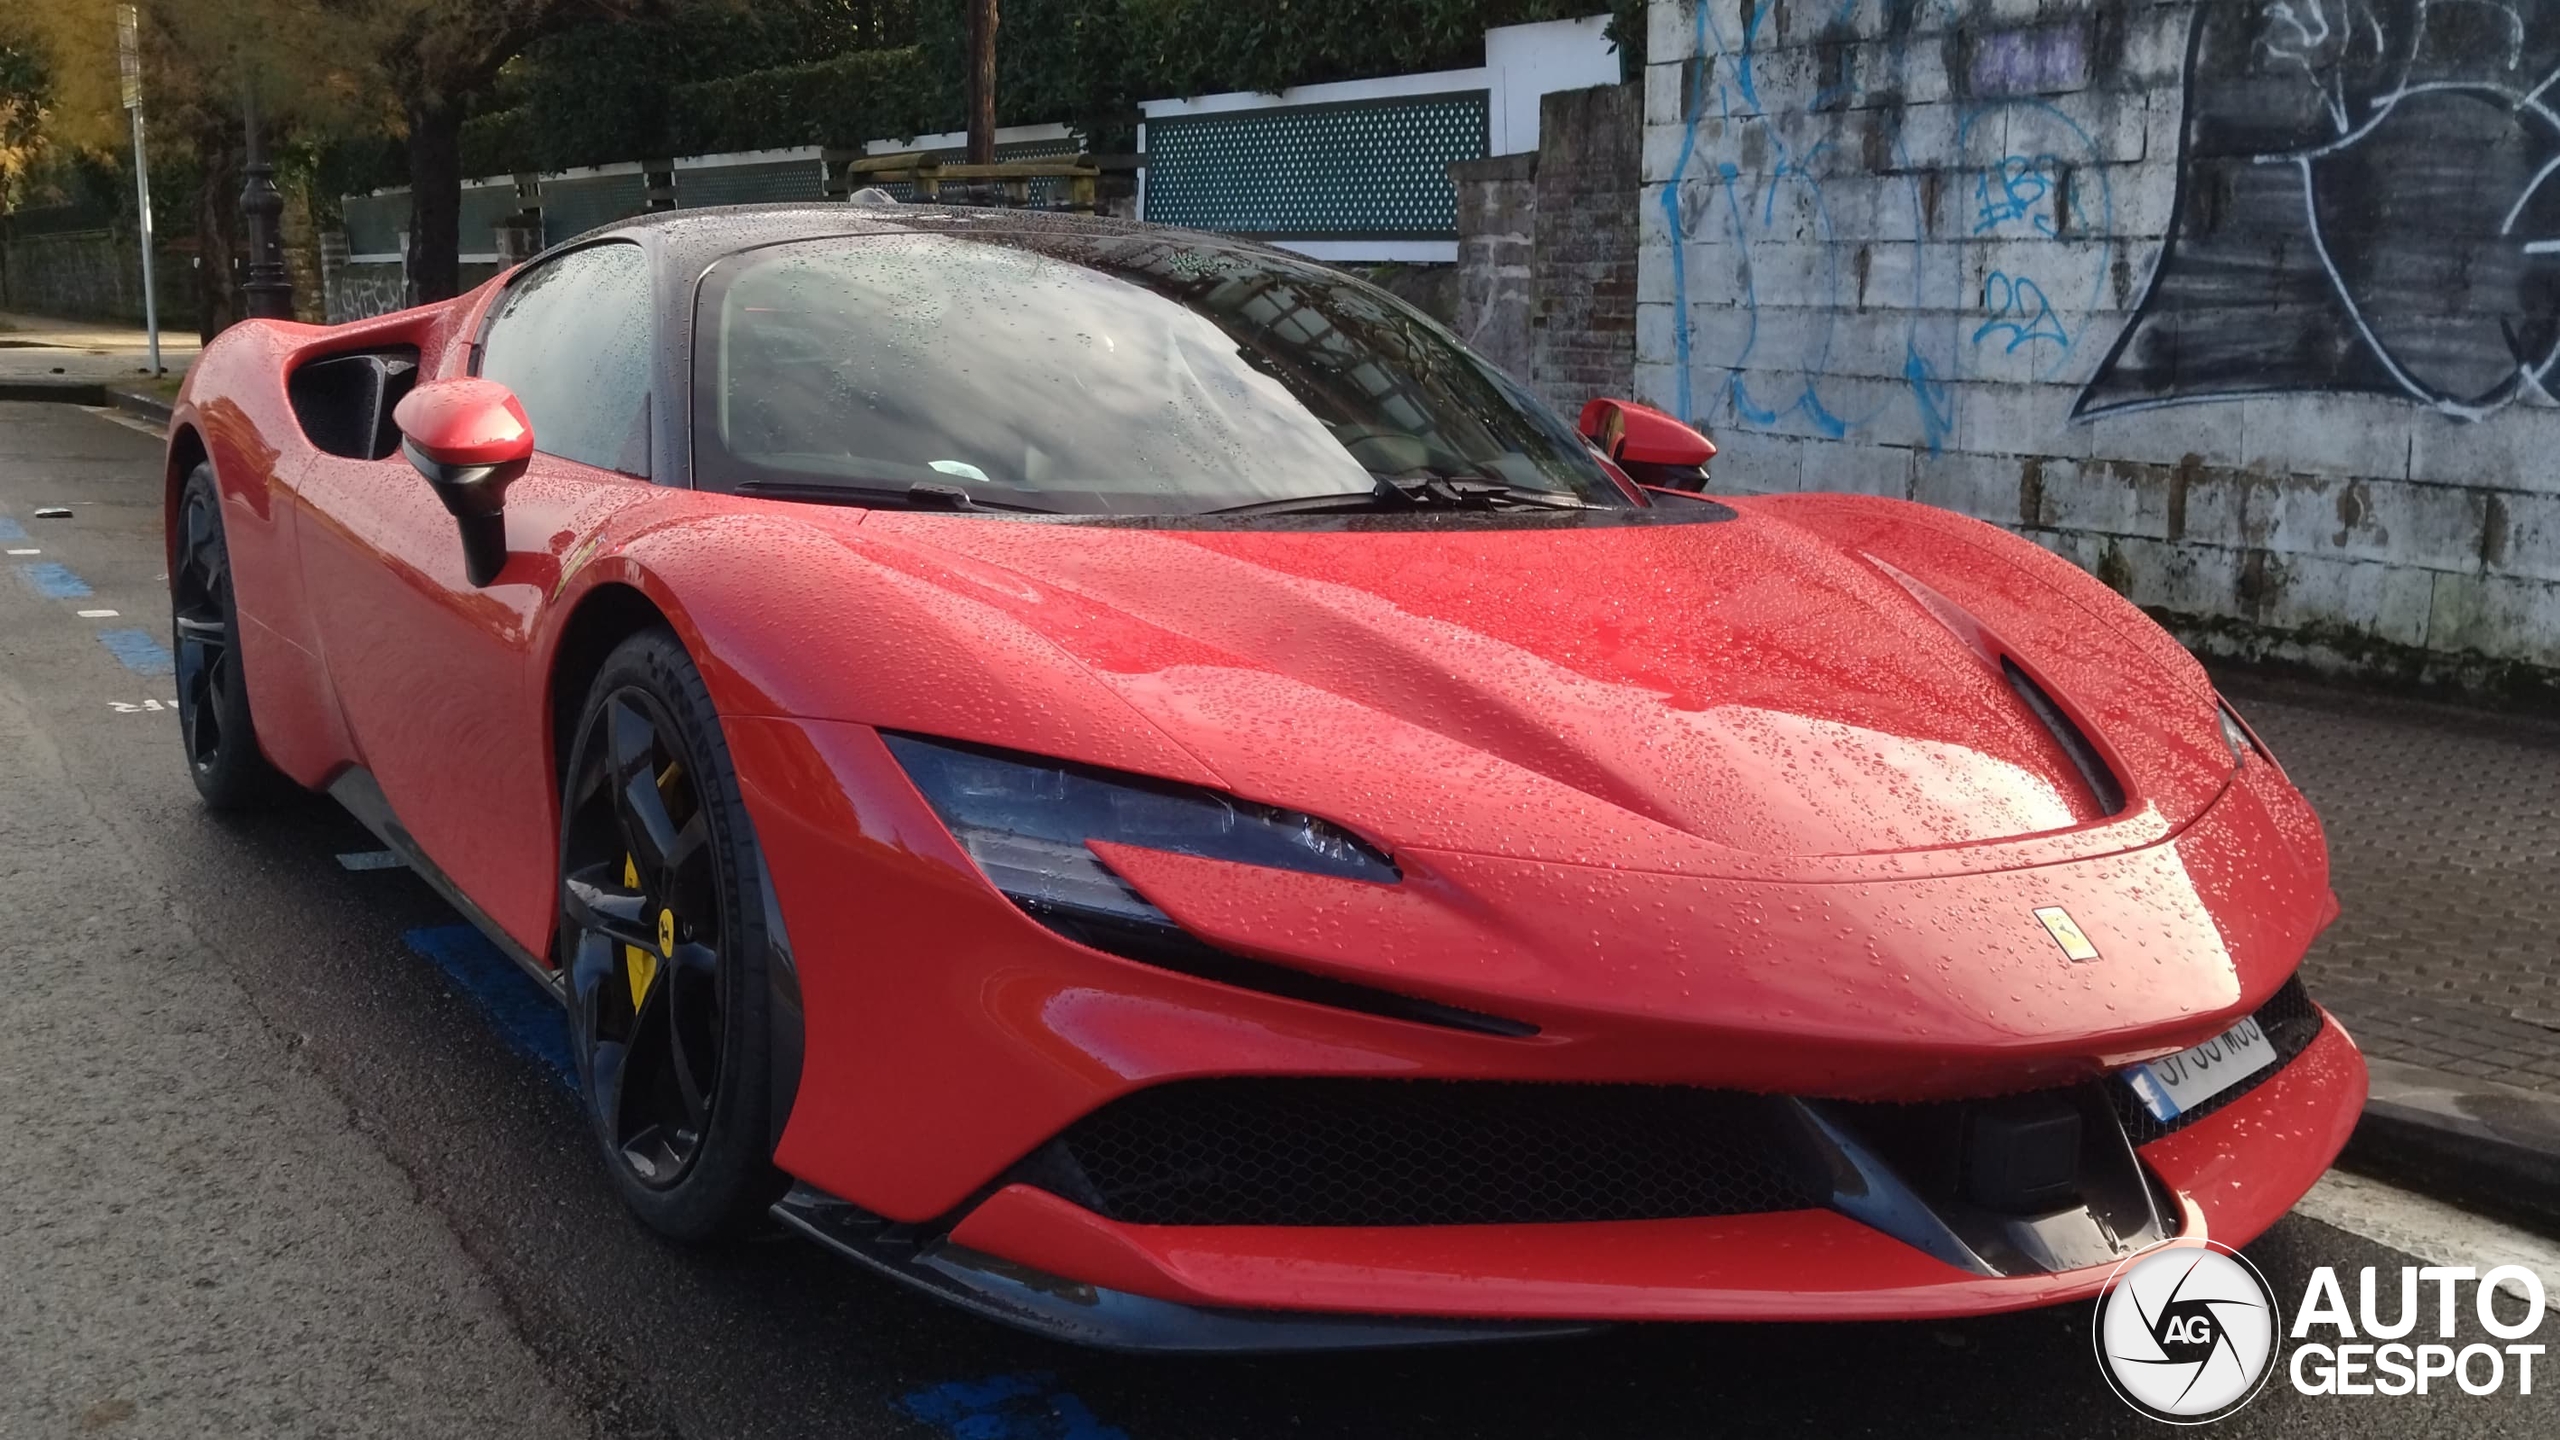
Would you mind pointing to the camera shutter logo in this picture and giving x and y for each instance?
(2186, 1334)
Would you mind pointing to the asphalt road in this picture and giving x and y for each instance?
(270, 1170)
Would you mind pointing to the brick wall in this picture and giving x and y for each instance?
(2202, 297)
(1582, 319)
(1547, 248)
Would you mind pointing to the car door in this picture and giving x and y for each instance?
(433, 673)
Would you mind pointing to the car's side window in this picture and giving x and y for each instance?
(572, 339)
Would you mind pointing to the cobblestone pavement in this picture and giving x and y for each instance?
(2444, 843)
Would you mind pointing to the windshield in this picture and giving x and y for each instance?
(1115, 375)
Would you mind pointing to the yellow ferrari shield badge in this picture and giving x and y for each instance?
(2066, 933)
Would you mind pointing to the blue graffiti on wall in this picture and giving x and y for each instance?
(1767, 382)
(2039, 196)
(1756, 185)
(2025, 188)
(2019, 311)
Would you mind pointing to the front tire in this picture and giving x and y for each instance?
(214, 723)
(663, 937)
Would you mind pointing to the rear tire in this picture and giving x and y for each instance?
(664, 940)
(214, 724)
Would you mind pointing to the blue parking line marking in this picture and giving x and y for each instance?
(139, 651)
(11, 529)
(528, 1019)
(52, 581)
(1026, 1406)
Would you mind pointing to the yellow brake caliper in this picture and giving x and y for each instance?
(641, 967)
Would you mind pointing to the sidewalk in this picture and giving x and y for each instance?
(41, 347)
(2444, 846)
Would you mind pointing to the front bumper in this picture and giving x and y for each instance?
(1029, 1258)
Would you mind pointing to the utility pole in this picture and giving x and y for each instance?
(982, 82)
(129, 64)
(268, 287)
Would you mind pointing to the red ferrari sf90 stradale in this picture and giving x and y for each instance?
(1129, 781)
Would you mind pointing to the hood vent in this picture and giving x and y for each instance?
(2103, 785)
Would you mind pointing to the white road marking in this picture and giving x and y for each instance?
(371, 860)
(53, 512)
(96, 614)
(137, 707)
(2432, 1230)
(26, 552)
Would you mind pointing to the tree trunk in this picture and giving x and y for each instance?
(435, 199)
(982, 82)
(217, 279)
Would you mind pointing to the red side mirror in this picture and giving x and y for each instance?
(465, 422)
(471, 440)
(1653, 448)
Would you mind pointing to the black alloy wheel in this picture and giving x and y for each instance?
(663, 940)
(213, 701)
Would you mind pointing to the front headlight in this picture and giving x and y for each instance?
(1025, 821)
(2243, 741)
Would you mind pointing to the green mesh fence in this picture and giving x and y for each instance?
(374, 222)
(760, 183)
(1360, 170)
(574, 207)
(483, 207)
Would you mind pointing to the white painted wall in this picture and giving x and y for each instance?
(1529, 61)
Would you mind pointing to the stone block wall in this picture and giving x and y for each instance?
(1547, 248)
(1497, 218)
(94, 275)
(353, 291)
(2247, 307)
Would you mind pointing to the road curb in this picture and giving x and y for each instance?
(2490, 1147)
(60, 392)
(140, 403)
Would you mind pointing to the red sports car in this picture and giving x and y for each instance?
(1128, 780)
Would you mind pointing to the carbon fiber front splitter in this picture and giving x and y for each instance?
(1082, 1314)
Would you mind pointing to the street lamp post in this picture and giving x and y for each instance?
(268, 287)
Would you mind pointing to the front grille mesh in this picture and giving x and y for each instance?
(2291, 1021)
(1290, 1151)
(1331, 1151)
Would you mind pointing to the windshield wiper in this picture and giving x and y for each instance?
(1434, 492)
(1480, 492)
(919, 495)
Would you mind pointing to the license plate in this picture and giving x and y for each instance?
(2175, 1084)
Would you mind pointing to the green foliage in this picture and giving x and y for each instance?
(1089, 62)
(867, 95)
(802, 72)
(605, 92)
(354, 165)
(501, 142)
(24, 89)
